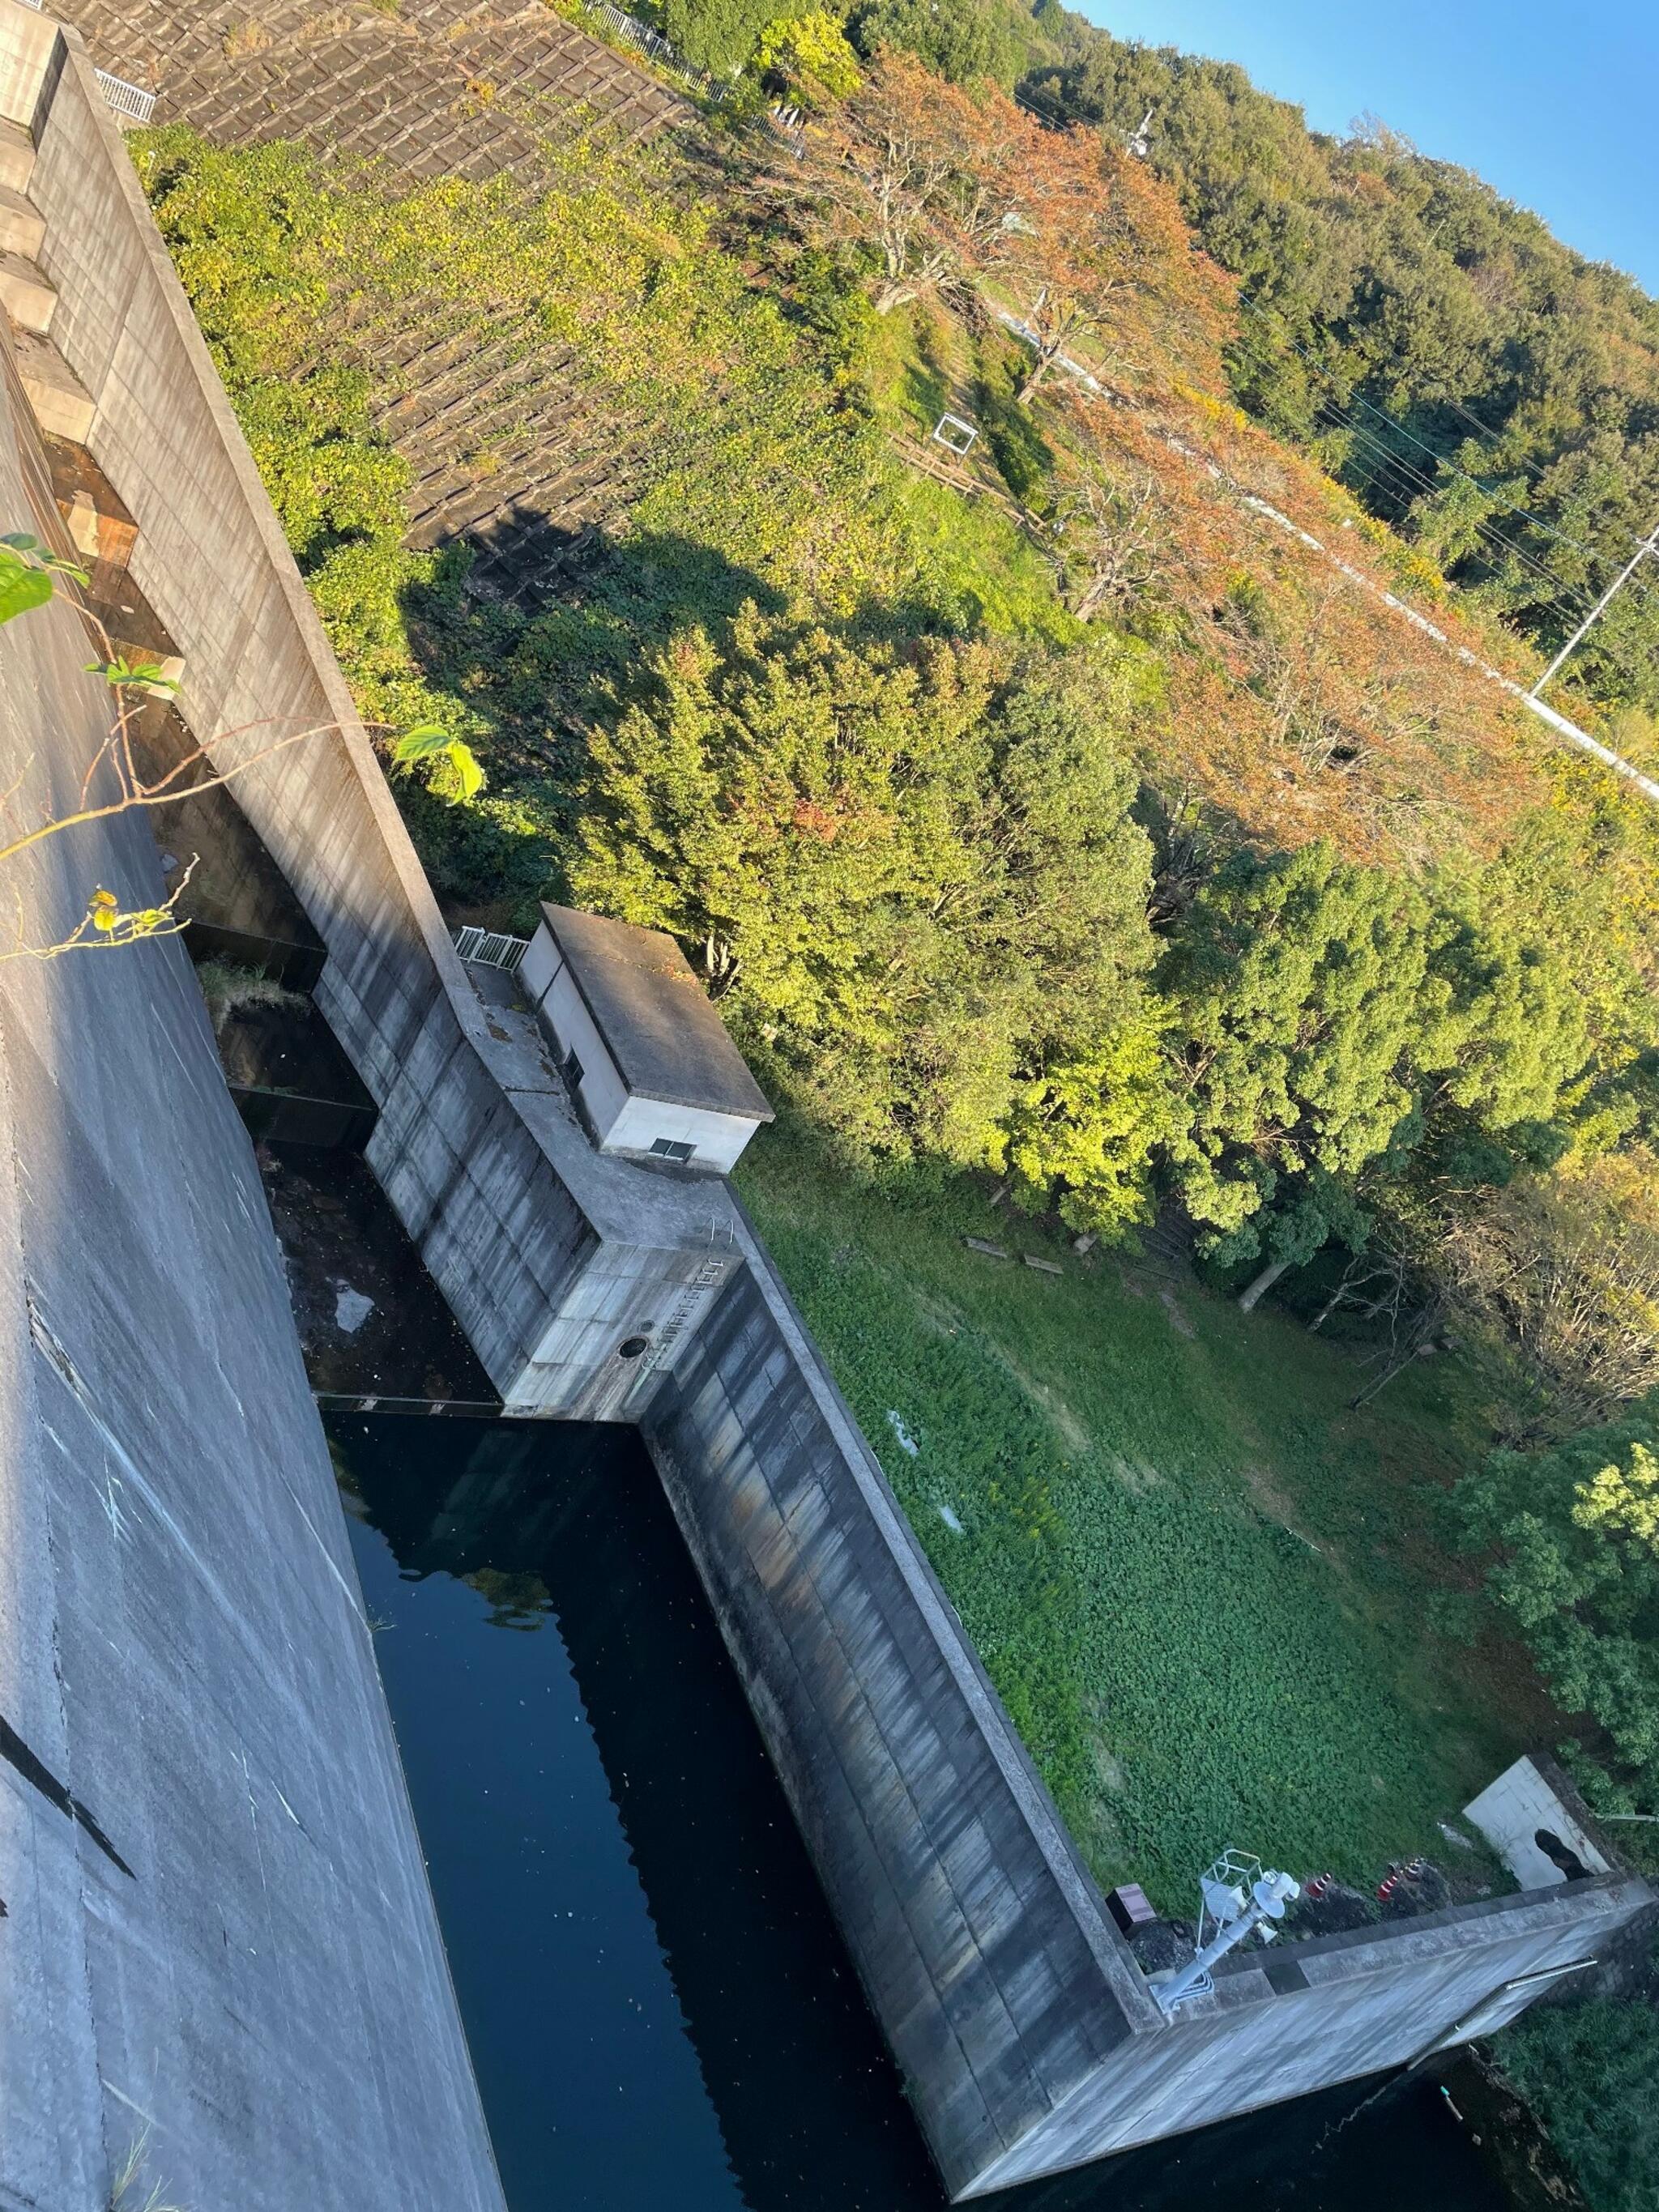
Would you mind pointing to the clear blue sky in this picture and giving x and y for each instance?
(1555, 105)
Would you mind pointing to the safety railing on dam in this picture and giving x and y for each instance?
(491, 948)
(1025, 2032)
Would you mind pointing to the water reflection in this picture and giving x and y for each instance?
(658, 2009)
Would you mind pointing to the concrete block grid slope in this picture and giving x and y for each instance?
(438, 87)
(1027, 2038)
(218, 1940)
(434, 87)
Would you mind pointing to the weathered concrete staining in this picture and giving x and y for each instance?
(234, 1945)
(532, 1246)
(982, 1943)
(1027, 2041)
(1024, 2030)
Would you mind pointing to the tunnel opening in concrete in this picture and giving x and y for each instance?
(658, 2006)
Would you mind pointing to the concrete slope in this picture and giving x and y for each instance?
(218, 1938)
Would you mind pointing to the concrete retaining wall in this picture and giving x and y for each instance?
(218, 1937)
(505, 1239)
(1025, 2031)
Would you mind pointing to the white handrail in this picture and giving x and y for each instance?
(491, 948)
(128, 99)
(632, 33)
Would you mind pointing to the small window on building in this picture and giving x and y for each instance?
(572, 1068)
(666, 1149)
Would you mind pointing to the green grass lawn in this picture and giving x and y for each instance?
(922, 363)
(1202, 1585)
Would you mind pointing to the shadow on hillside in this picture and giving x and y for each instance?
(1024, 458)
(545, 633)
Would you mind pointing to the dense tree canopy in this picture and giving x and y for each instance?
(781, 711)
(1299, 981)
(1590, 2071)
(1574, 1532)
(1471, 377)
(907, 873)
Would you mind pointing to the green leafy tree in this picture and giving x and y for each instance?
(811, 53)
(1591, 2074)
(907, 873)
(1575, 1537)
(957, 40)
(720, 35)
(1297, 983)
(1094, 1125)
(1505, 1022)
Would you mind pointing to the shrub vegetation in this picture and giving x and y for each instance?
(1065, 813)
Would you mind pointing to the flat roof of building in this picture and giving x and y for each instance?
(657, 1021)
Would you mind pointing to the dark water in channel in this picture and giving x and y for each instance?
(660, 2011)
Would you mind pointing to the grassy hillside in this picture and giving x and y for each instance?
(1204, 1586)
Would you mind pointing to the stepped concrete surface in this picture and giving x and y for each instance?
(26, 295)
(438, 87)
(21, 225)
(1027, 2037)
(61, 405)
(16, 156)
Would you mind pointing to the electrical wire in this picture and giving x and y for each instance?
(1572, 601)
(1400, 465)
(1532, 469)
(1324, 369)
(1563, 594)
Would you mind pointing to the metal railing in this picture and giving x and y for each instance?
(652, 45)
(492, 948)
(376, 1401)
(128, 99)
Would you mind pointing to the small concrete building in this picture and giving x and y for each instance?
(644, 1056)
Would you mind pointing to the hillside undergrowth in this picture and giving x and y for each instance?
(1197, 1578)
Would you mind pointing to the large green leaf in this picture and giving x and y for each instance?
(21, 586)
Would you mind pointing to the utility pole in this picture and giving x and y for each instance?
(1650, 545)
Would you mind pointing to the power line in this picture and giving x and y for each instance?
(1401, 466)
(1565, 598)
(1533, 470)
(1563, 594)
(1324, 369)
(1367, 479)
(1648, 549)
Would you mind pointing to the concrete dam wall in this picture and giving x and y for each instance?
(1025, 2029)
(216, 1936)
(1027, 2036)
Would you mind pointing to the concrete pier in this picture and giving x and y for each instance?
(1028, 2039)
